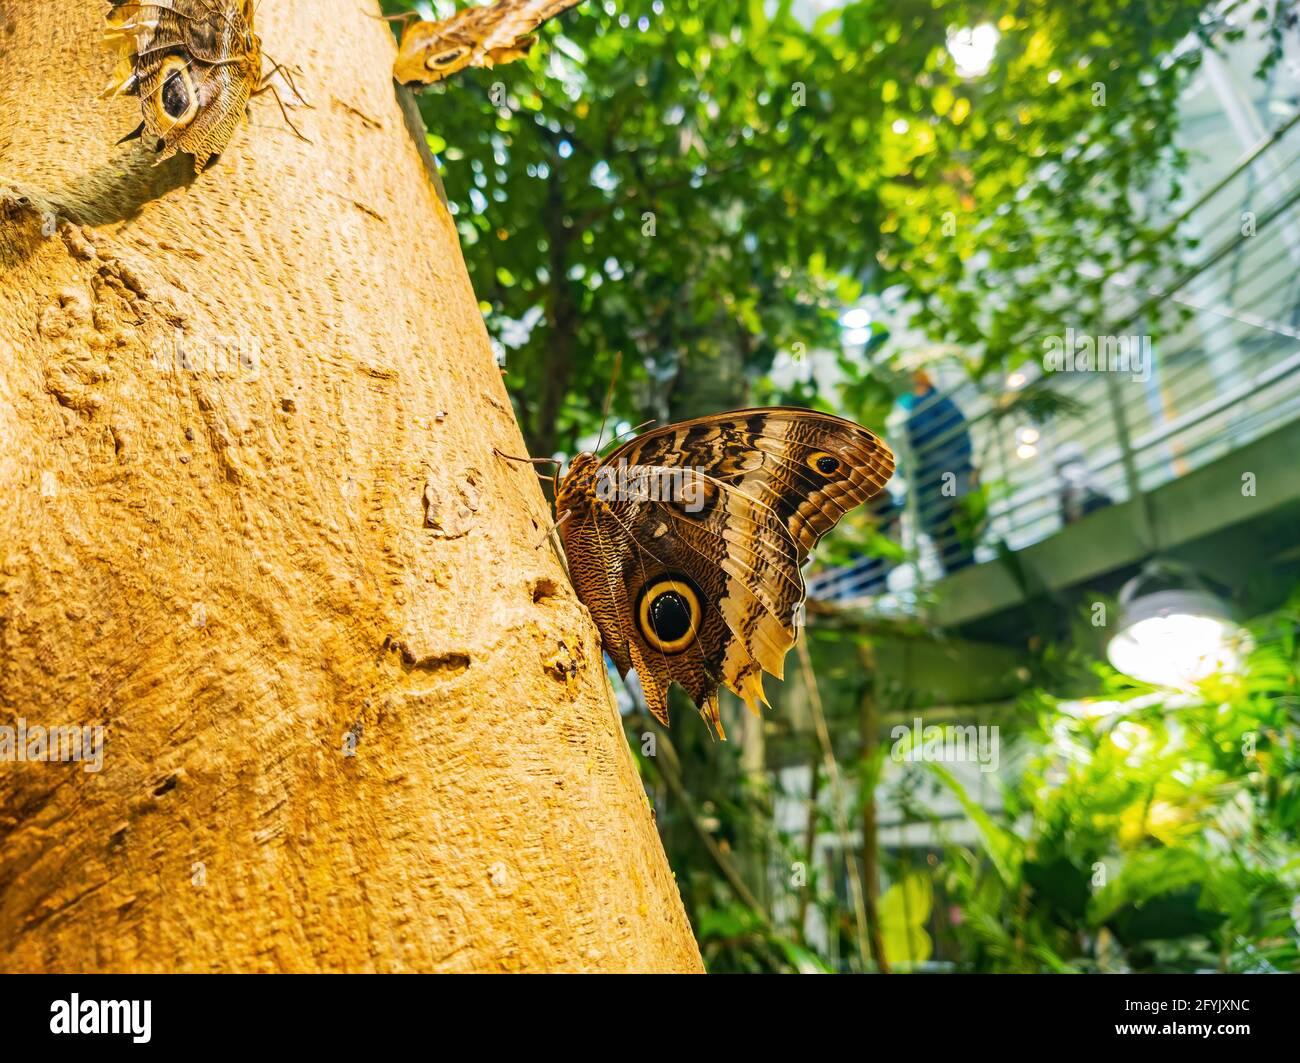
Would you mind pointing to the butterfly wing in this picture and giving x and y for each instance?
(474, 36)
(809, 468)
(209, 30)
(194, 65)
(518, 18)
(618, 577)
(701, 537)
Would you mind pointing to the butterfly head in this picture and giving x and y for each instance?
(578, 488)
(247, 39)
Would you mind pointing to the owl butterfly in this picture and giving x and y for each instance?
(474, 36)
(685, 543)
(194, 64)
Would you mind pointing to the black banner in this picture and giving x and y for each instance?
(215, 1012)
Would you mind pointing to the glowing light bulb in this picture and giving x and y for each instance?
(1177, 650)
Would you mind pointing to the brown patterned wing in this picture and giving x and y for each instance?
(210, 30)
(518, 18)
(651, 604)
(474, 36)
(720, 514)
(193, 63)
(807, 468)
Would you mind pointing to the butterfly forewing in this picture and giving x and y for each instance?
(808, 468)
(725, 508)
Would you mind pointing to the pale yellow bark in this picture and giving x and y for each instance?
(292, 531)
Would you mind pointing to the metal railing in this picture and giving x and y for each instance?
(1223, 336)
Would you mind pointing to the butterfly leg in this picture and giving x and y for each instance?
(288, 120)
(286, 73)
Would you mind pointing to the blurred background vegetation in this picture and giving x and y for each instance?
(806, 202)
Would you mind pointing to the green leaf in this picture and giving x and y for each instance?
(1004, 849)
(904, 910)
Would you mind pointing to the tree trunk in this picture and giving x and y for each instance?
(252, 523)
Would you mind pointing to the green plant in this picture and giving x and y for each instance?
(1163, 835)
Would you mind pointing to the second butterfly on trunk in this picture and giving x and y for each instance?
(686, 543)
(193, 63)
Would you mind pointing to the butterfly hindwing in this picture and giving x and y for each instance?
(650, 604)
(474, 36)
(193, 63)
(723, 508)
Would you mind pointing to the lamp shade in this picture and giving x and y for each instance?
(1174, 637)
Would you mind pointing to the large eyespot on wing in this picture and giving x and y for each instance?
(473, 36)
(752, 567)
(431, 51)
(709, 577)
(774, 482)
(175, 100)
(676, 635)
(669, 611)
(690, 617)
(440, 62)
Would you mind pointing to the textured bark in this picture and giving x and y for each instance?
(250, 517)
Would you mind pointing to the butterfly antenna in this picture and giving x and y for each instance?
(403, 18)
(527, 461)
(634, 428)
(609, 398)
